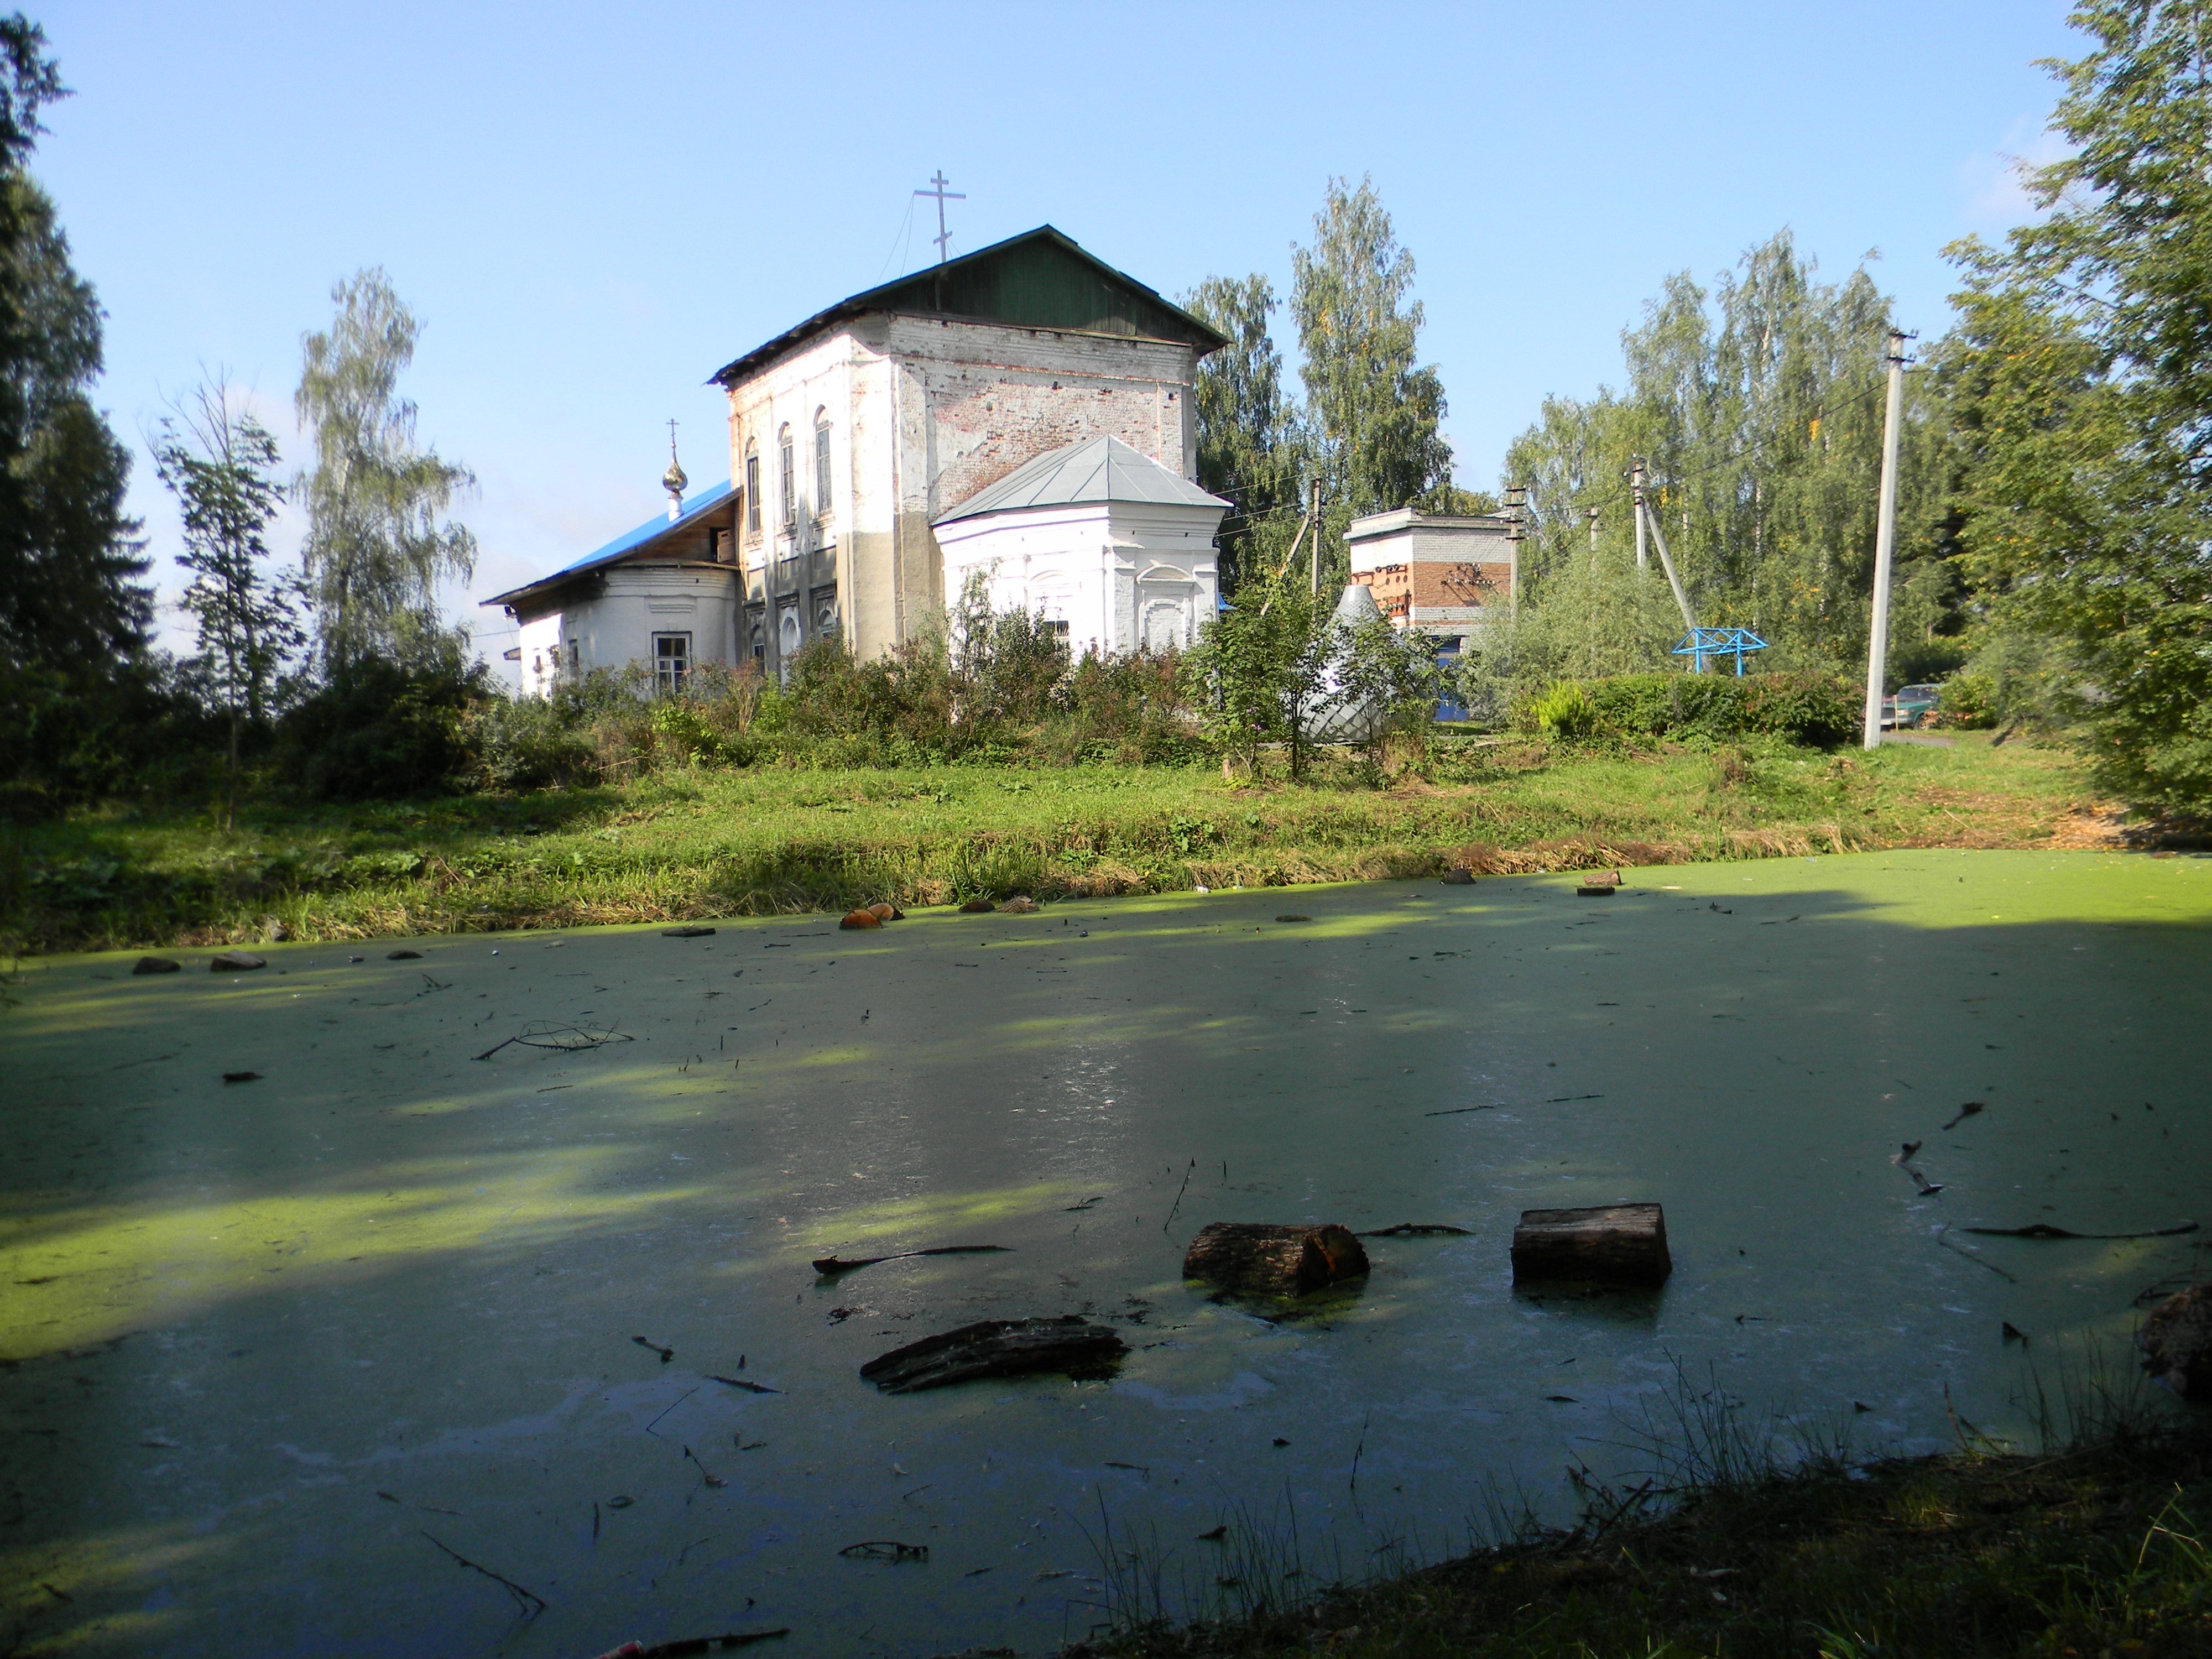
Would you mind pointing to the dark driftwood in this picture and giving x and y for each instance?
(1415, 1230)
(829, 1266)
(1247, 1255)
(999, 1347)
(1611, 1244)
(2177, 1343)
(2045, 1229)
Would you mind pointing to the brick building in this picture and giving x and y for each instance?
(851, 435)
(1445, 577)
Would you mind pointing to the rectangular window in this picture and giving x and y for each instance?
(821, 471)
(672, 661)
(1056, 631)
(752, 494)
(575, 656)
(790, 487)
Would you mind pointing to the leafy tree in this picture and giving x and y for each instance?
(1249, 448)
(378, 541)
(2082, 373)
(1373, 415)
(1757, 408)
(219, 464)
(73, 616)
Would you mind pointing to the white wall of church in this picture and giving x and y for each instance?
(1121, 575)
(923, 413)
(618, 625)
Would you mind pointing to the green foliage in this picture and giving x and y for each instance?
(524, 743)
(1563, 710)
(1758, 409)
(376, 546)
(1373, 418)
(1249, 449)
(73, 615)
(2081, 375)
(1819, 711)
(378, 729)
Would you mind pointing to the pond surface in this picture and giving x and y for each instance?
(273, 1348)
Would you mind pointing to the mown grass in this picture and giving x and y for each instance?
(697, 843)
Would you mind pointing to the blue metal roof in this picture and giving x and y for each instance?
(629, 542)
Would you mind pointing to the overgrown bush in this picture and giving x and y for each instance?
(382, 729)
(524, 743)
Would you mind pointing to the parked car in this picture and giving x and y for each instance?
(1910, 705)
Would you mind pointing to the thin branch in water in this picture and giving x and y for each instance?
(528, 1604)
(1185, 1188)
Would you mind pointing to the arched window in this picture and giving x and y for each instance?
(790, 479)
(752, 489)
(822, 497)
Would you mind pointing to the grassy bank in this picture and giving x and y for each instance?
(702, 842)
(2097, 1553)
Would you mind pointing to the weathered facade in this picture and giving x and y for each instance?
(853, 432)
(1444, 577)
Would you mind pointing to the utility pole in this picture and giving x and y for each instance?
(1682, 599)
(1314, 518)
(1636, 489)
(1516, 532)
(1590, 513)
(1885, 541)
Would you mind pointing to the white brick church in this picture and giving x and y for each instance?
(1022, 413)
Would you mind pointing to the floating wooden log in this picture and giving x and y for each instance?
(830, 1265)
(1610, 1243)
(157, 965)
(1249, 1255)
(2177, 1343)
(999, 1347)
(1600, 886)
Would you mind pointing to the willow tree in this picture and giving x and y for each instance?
(378, 538)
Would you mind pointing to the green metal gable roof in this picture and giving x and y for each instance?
(1040, 279)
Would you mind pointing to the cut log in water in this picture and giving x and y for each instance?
(1247, 1256)
(1609, 1244)
(999, 1347)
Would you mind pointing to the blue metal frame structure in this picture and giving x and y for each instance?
(1703, 642)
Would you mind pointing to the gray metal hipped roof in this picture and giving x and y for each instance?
(1095, 469)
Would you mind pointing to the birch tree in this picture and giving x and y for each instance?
(379, 541)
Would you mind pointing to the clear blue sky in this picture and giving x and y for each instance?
(593, 208)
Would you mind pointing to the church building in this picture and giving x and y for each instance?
(1022, 414)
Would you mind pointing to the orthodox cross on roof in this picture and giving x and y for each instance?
(938, 181)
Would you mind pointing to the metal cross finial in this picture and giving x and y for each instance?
(671, 440)
(938, 181)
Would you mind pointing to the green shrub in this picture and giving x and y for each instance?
(1563, 709)
(524, 743)
(382, 729)
(1819, 710)
(1815, 709)
(1969, 703)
